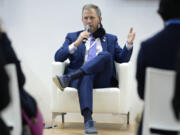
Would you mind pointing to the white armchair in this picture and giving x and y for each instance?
(105, 100)
(158, 112)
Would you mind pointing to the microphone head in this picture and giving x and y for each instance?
(87, 28)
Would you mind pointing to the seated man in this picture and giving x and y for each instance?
(92, 54)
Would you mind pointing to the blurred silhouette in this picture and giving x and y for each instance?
(28, 103)
(176, 98)
(160, 51)
(4, 93)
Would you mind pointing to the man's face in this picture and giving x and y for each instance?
(89, 17)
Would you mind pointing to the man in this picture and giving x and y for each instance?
(91, 62)
(160, 50)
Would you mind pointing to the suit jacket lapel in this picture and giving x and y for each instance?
(83, 50)
(104, 43)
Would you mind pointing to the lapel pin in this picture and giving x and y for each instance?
(104, 39)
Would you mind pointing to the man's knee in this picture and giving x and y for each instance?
(106, 55)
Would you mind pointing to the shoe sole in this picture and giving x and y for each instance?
(91, 134)
(56, 81)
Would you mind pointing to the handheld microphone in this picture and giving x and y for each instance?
(86, 29)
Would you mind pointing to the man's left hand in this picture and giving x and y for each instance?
(131, 36)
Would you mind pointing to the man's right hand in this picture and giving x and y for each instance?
(82, 35)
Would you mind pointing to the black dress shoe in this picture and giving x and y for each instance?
(62, 81)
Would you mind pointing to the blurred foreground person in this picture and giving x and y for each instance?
(32, 119)
(176, 98)
(4, 94)
(160, 51)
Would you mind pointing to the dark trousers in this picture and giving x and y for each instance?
(98, 73)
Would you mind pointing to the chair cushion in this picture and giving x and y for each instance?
(105, 100)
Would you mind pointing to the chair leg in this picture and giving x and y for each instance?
(128, 117)
(126, 122)
(124, 119)
(54, 115)
(63, 120)
(52, 125)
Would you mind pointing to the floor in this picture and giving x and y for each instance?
(103, 129)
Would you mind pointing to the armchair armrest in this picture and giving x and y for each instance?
(125, 81)
(123, 72)
(58, 68)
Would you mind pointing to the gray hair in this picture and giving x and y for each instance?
(90, 6)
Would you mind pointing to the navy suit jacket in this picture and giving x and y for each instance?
(160, 51)
(109, 43)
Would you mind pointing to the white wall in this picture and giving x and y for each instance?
(37, 28)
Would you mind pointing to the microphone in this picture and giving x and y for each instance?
(86, 29)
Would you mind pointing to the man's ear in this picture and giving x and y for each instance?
(100, 19)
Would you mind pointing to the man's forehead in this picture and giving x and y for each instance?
(89, 11)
